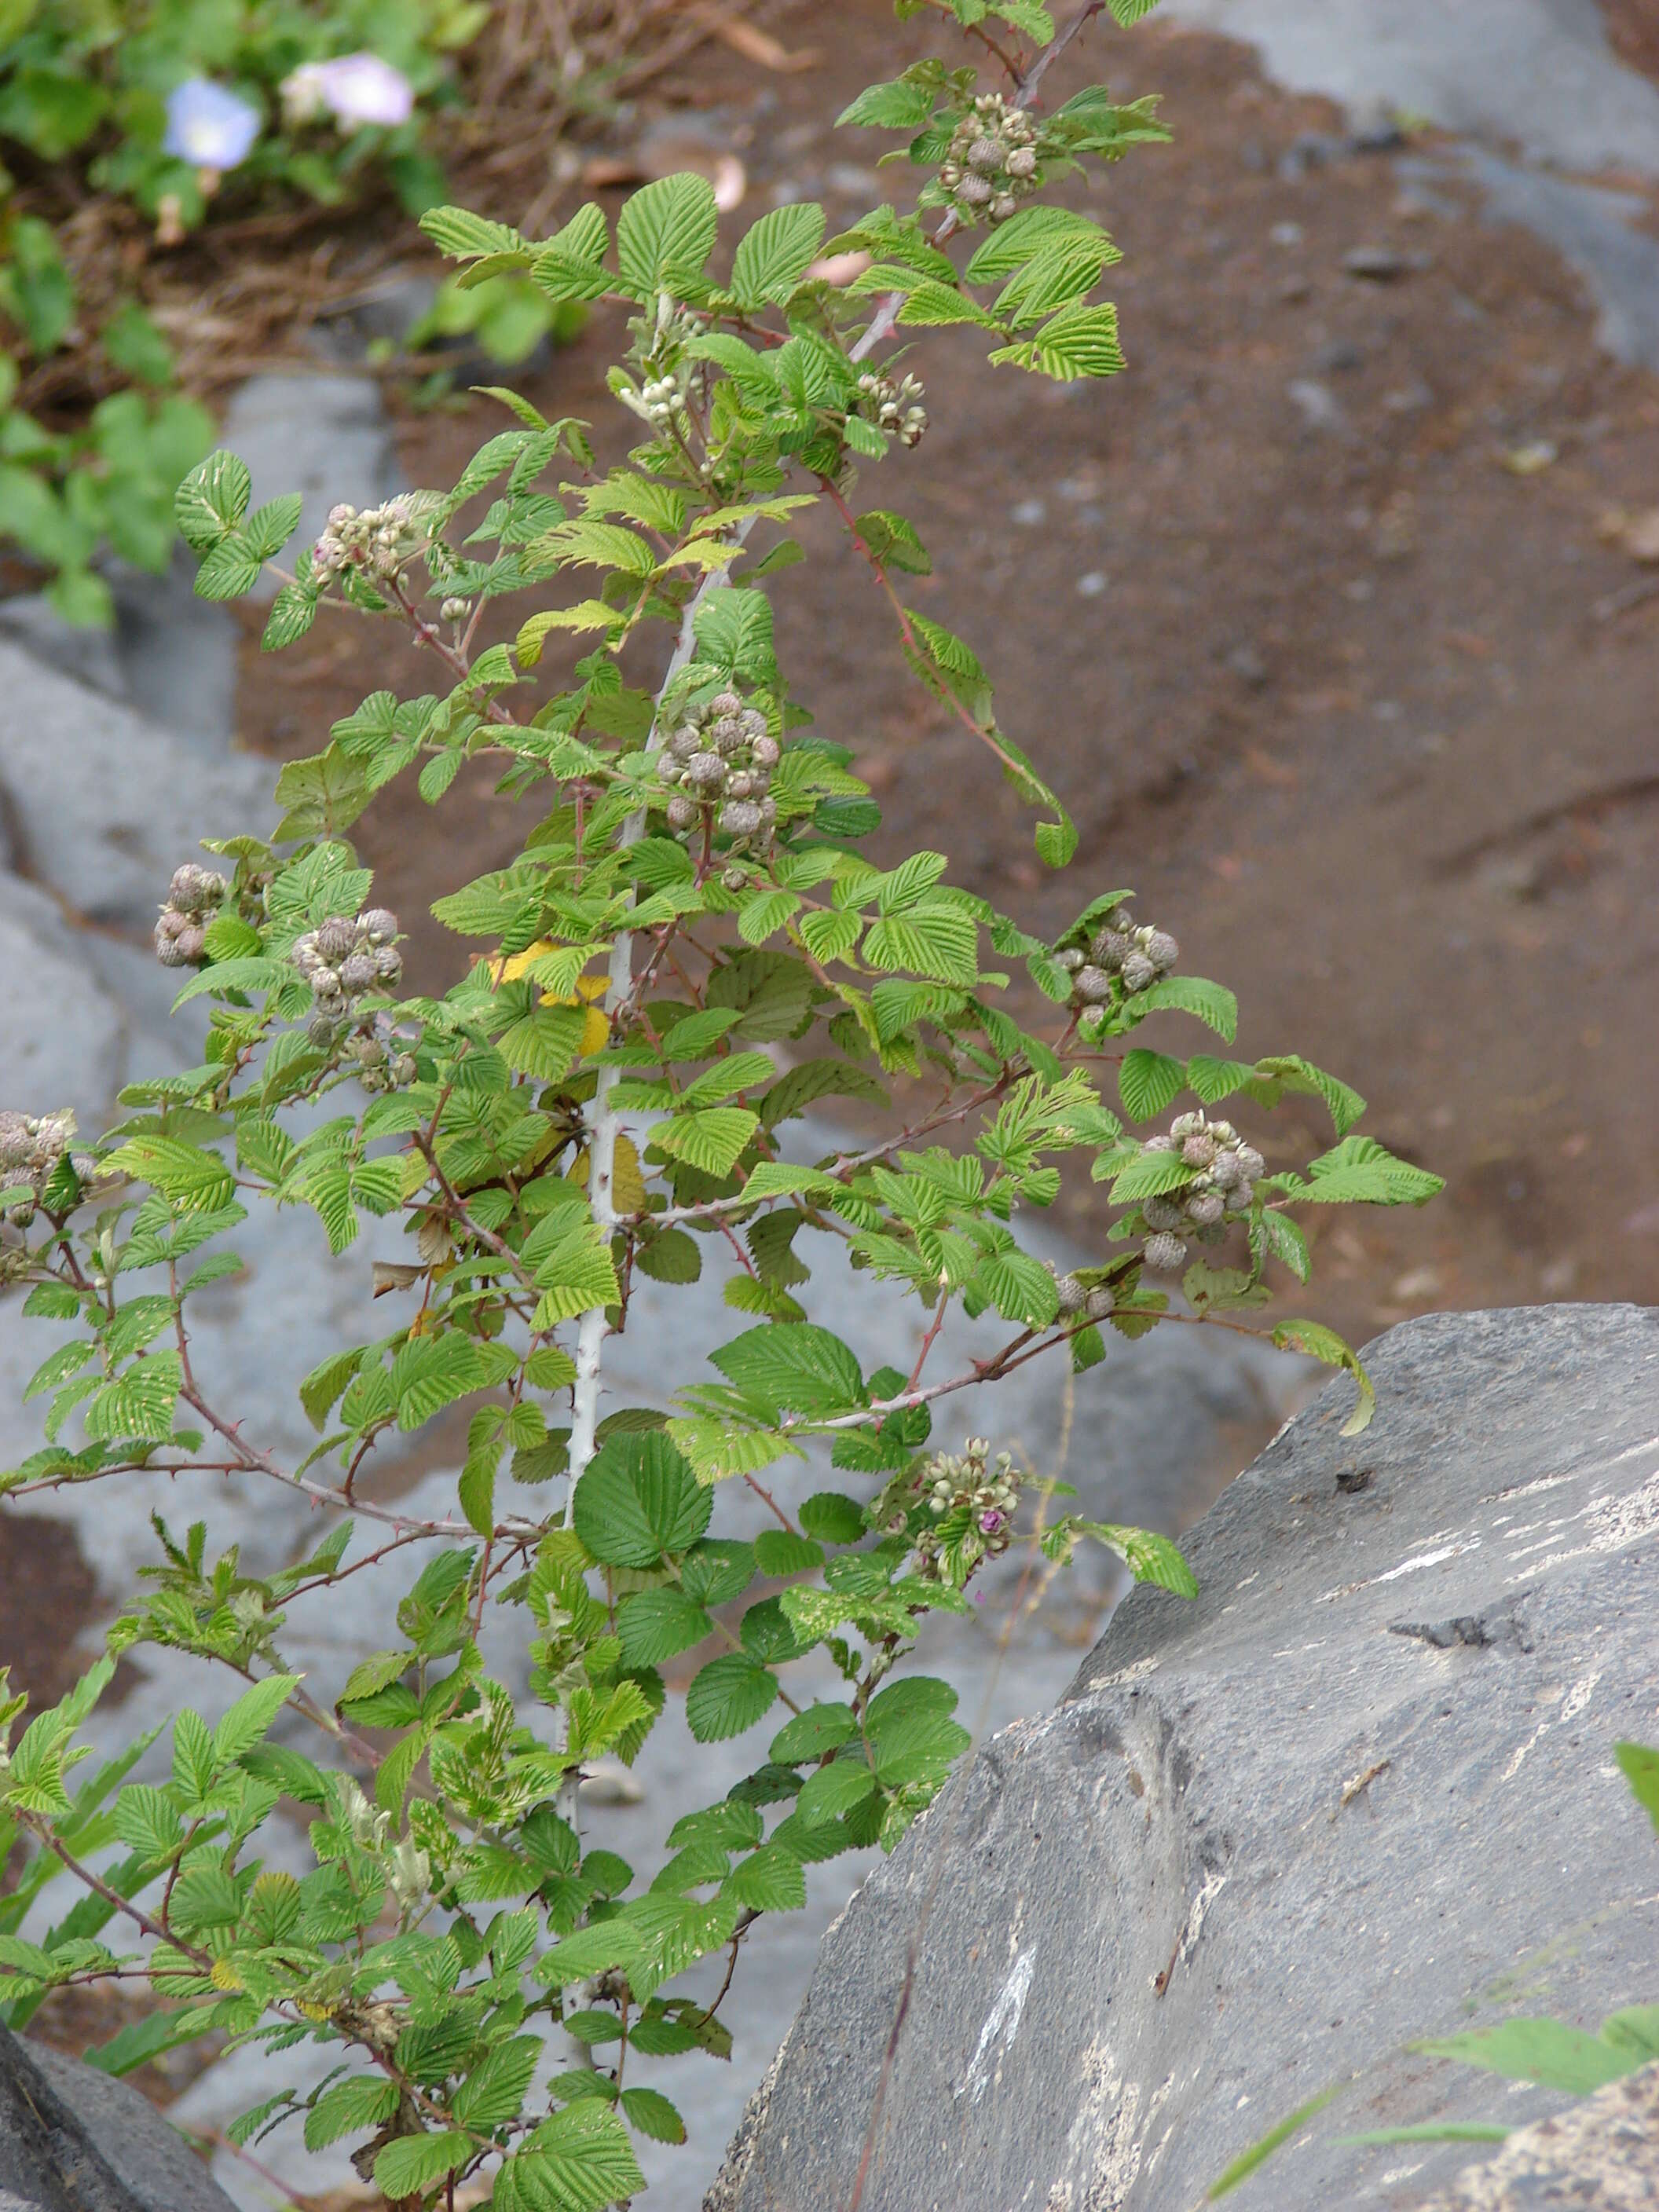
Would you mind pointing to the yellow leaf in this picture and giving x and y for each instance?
(508, 968)
(223, 1975)
(627, 1176)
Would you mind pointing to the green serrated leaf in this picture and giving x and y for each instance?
(727, 1696)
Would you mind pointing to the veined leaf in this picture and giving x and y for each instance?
(727, 1696)
(795, 1367)
(664, 235)
(775, 254)
(1080, 341)
(639, 1500)
(712, 1138)
(1147, 1081)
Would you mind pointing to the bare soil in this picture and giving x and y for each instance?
(1357, 707)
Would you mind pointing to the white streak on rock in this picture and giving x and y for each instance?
(1001, 2025)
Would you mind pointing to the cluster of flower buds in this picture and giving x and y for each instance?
(1221, 1192)
(31, 1146)
(342, 958)
(970, 1482)
(379, 541)
(991, 163)
(722, 755)
(378, 1047)
(894, 408)
(671, 382)
(181, 930)
(1134, 959)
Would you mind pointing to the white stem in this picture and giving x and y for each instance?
(604, 1122)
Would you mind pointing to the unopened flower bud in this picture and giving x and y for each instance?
(985, 155)
(1165, 1255)
(1161, 949)
(1251, 1162)
(1205, 1207)
(740, 818)
(334, 939)
(975, 191)
(706, 770)
(682, 812)
(358, 972)
(1073, 1296)
(1022, 162)
(1092, 986)
(1198, 1150)
(1138, 972)
(1161, 1213)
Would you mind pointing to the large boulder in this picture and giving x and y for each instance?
(75, 2140)
(1360, 1793)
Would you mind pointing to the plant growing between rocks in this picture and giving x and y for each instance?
(689, 953)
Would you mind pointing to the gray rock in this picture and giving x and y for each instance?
(1320, 408)
(106, 804)
(326, 436)
(1536, 72)
(1602, 2156)
(1595, 233)
(61, 1033)
(75, 2140)
(1272, 1837)
(1379, 264)
(169, 654)
(176, 652)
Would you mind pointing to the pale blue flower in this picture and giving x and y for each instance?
(208, 126)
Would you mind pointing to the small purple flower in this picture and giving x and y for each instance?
(991, 1521)
(208, 126)
(354, 88)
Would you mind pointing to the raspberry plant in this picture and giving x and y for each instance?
(689, 952)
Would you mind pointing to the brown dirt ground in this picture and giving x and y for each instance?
(1350, 711)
